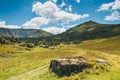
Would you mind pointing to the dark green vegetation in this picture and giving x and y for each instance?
(23, 33)
(9, 40)
(15, 41)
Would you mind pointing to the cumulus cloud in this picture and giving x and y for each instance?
(66, 17)
(116, 5)
(35, 23)
(84, 15)
(49, 12)
(54, 30)
(113, 8)
(70, 8)
(54, 1)
(114, 16)
(78, 1)
(110, 6)
(62, 4)
(105, 6)
(3, 25)
(52, 12)
(70, 26)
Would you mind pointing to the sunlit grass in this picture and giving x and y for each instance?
(15, 59)
(109, 45)
(28, 60)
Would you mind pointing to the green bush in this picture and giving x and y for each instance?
(30, 45)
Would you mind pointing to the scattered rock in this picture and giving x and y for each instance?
(99, 60)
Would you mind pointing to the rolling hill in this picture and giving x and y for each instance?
(23, 33)
(88, 31)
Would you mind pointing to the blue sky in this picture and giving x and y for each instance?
(56, 16)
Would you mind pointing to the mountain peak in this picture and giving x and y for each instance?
(89, 22)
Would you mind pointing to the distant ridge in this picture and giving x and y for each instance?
(24, 33)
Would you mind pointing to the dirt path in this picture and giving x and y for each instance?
(110, 55)
(30, 74)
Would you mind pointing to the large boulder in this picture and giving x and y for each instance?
(66, 66)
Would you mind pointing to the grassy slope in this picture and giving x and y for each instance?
(109, 45)
(20, 60)
(90, 30)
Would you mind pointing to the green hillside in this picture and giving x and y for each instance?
(89, 30)
(23, 33)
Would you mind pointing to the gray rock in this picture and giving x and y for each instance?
(66, 66)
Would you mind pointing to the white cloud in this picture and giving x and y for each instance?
(113, 8)
(51, 11)
(70, 26)
(110, 6)
(12, 26)
(84, 15)
(54, 30)
(54, 1)
(70, 8)
(35, 23)
(65, 17)
(46, 9)
(116, 5)
(78, 1)
(62, 4)
(105, 6)
(114, 16)
(3, 25)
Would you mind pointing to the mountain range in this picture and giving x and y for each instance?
(24, 33)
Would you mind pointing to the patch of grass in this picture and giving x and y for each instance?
(109, 45)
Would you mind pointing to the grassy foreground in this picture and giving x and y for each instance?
(16, 60)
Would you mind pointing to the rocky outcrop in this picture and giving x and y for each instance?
(67, 66)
